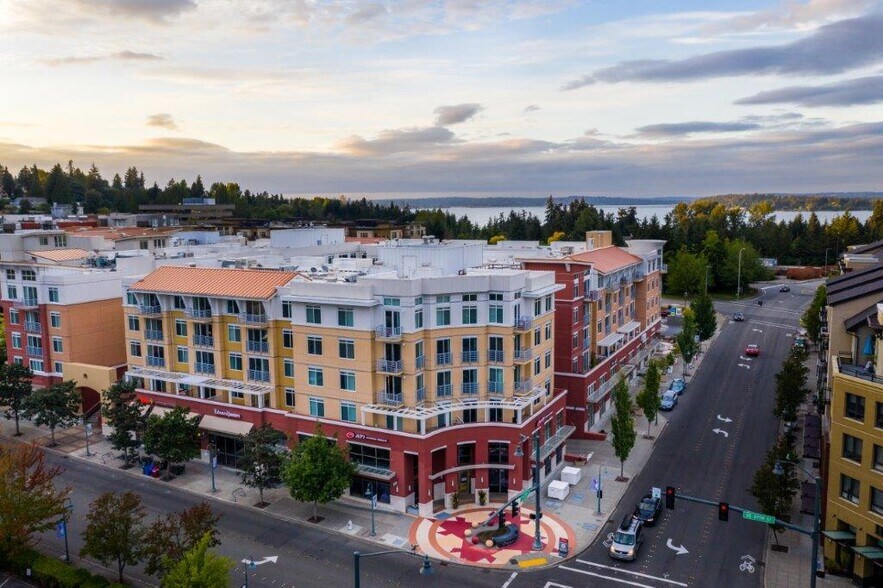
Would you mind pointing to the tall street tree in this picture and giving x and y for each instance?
(811, 319)
(199, 568)
(168, 538)
(173, 437)
(263, 458)
(648, 399)
(15, 386)
(114, 530)
(622, 424)
(318, 471)
(121, 408)
(791, 389)
(54, 406)
(706, 320)
(30, 499)
(775, 493)
(686, 339)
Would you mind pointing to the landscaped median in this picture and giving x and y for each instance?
(50, 572)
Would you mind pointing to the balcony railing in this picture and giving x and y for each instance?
(153, 334)
(523, 386)
(586, 343)
(32, 327)
(258, 346)
(469, 388)
(443, 358)
(856, 371)
(495, 356)
(523, 323)
(253, 319)
(205, 368)
(258, 376)
(523, 354)
(470, 357)
(552, 443)
(200, 313)
(150, 309)
(389, 332)
(204, 340)
(494, 387)
(419, 362)
(389, 366)
(35, 351)
(154, 361)
(394, 398)
(443, 390)
(593, 295)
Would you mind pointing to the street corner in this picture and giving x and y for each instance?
(461, 537)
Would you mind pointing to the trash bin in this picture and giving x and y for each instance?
(147, 468)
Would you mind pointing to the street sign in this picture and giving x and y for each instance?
(523, 496)
(214, 462)
(88, 429)
(373, 501)
(61, 529)
(759, 517)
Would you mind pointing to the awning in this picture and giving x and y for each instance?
(869, 551)
(839, 535)
(226, 426)
(611, 340)
(629, 327)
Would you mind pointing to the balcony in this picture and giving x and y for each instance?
(258, 376)
(35, 351)
(850, 369)
(523, 323)
(443, 391)
(421, 394)
(391, 398)
(469, 357)
(469, 388)
(419, 362)
(203, 340)
(593, 295)
(495, 356)
(586, 319)
(199, 313)
(494, 387)
(523, 386)
(155, 361)
(253, 319)
(389, 333)
(205, 368)
(443, 359)
(32, 327)
(150, 309)
(153, 334)
(552, 443)
(522, 355)
(258, 346)
(390, 366)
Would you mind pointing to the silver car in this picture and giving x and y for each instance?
(627, 540)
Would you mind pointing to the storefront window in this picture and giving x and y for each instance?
(369, 456)
(364, 487)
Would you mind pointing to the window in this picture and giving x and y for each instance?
(495, 314)
(60, 240)
(470, 315)
(57, 345)
(849, 488)
(418, 301)
(878, 458)
(287, 339)
(442, 316)
(11, 292)
(314, 345)
(576, 314)
(57, 367)
(498, 452)
(28, 275)
(131, 299)
(348, 381)
(537, 365)
(315, 376)
(289, 397)
(179, 303)
(13, 316)
(495, 296)
(876, 500)
(852, 448)
(16, 340)
(314, 314)
(288, 368)
(232, 307)
(537, 336)
(549, 301)
(17, 360)
(495, 415)
(346, 348)
(286, 309)
(44, 240)
(392, 302)
(36, 365)
(466, 454)
(348, 412)
(181, 328)
(183, 355)
(53, 294)
(134, 323)
(547, 331)
(345, 317)
(855, 407)
(537, 307)
(878, 421)
(418, 318)
(135, 348)
(10, 274)
(234, 334)
(317, 407)
(443, 299)
(548, 358)
(143, 244)
(443, 384)
(369, 456)
(236, 362)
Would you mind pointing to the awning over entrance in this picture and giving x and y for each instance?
(160, 411)
(610, 340)
(869, 551)
(225, 426)
(839, 535)
(629, 327)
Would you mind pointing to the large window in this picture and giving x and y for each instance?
(442, 316)
(286, 309)
(348, 412)
(314, 345)
(236, 362)
(134, 323)
(878, 458)
(288, 368)
(498, 452)
(345, 317)
(317, 407)
(878, 420)
(495, 314)
(315, 376)
(366, 455)
(348, 380)
(852, 448)
(53, 294)
(287, 339)
(346, 348)
(181, 328)
(855, 407)
(234, 334)
(470, 315)
(465, 453)
(849, 488)
(314, 314)
(876, 500)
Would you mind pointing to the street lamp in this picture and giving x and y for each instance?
(68, 508)
(370, 493)
(778, 470)
(87, 428)
(537, 541)
(739, 275)
(425, 567)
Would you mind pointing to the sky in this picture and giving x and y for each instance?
(459, 97)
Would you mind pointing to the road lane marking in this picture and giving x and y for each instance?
(724, 419)
(720, 432)
(777, 325)
(591, 563)
(680, 549)
(620, 580)
(555, 585)
(744, 365)
(509, 581)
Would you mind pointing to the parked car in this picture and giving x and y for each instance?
(752, 350)
(664, 312)
(649, 509)
(785, 288)
(627, 540)
(669, 400)
(678, 385)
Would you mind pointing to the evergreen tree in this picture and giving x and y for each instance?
(622, 424)
(197, 190)
(121, 408)
(648, 399)
(706, 319)
(686, 339)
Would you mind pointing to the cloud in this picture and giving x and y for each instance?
(790, 15)
(396, 141)
(689, 128)
(832, 49)
(154, 11)
(117, 56)
(867, 90)
(530, 108)
(162, 120)
(458, 113)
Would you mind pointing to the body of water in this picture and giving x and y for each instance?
(481, 215)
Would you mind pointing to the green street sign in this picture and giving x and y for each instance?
(759, 517)
(523, 496)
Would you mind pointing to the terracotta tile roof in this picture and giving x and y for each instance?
(606, 259)
(119, 233)
(220, 282)
(60, 254)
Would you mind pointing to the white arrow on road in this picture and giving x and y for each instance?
(680, 549)
(744, 365)
(267, 559)
(721, 431)
(743, 358)
(724, 419)
(788, 335)
(757, 330)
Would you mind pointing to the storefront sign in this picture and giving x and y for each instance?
(227, 413)
(350, 435)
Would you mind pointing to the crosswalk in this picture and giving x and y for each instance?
(579, 573)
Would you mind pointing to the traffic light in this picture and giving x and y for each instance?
(515, 509)
(670, 497)
(723, 511)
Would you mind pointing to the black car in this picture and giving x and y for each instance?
(785, 288)
(648, 510)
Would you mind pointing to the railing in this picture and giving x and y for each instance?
(389, 366)
(389, 332)
(443, 358)
(153, 334)
(150, 309)
(385, 397)
(555, 440)
(199, 313)
(522, 386)
(593, 295)
(523, 354)
(258, 376)
(154, 361)
(35, 351)
(420, 361)
(470, 357)
(586, 343)
(204, 340)
(598, 394)
(443, 390)
(253, 319)
(32, 327)
(469, 388)
(205, 368)
(495, 356)
(849, 369)
(523, 323)
(421, 394)
(494, 387)
(258, 346)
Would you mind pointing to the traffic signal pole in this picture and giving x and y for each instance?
(739, 509)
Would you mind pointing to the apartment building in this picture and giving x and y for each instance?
(606, 315)
(427, 367)
(851, 360)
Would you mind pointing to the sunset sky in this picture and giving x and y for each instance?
(520, 97)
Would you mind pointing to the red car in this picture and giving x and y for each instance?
(752, 350)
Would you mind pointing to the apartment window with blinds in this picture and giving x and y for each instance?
(852, 448)
(470, 315)
(348, 381)
(855, 407)
(849, 488)
(317, 407)
(495, 314)
(443, 316)
(234, 334)
(315, 376)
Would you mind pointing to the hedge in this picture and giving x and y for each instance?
(49, 572)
